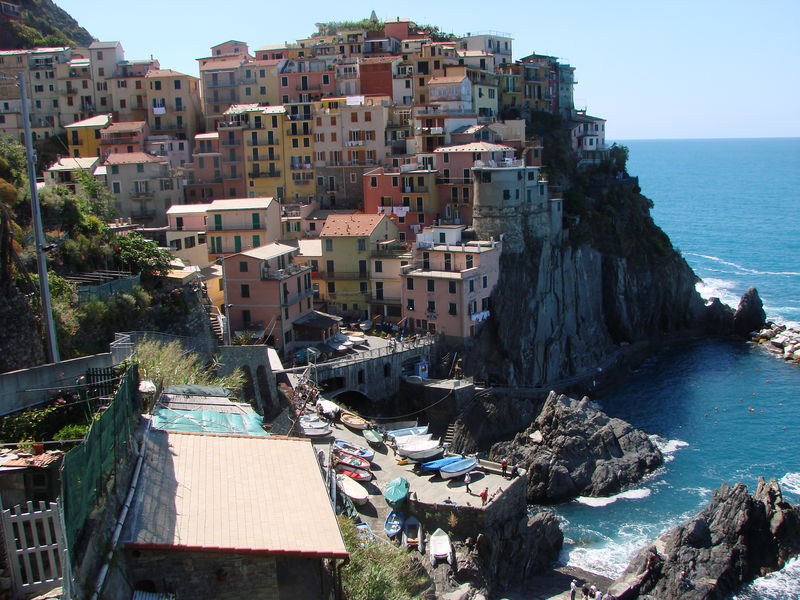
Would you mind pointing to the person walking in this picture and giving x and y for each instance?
(484, 495)
(573, 589)
(468, 480)
(598, 595)
(504, 466)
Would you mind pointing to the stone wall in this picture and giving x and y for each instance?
(254, 361)
(226, 575)
(28, 387)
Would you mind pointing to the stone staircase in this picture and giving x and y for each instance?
(215, 320)
(448, 435)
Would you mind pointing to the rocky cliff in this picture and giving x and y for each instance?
(737, 538)
(568, 304)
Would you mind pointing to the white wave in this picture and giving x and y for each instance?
(791, 483)
(780, 585)
(723, 289)
(635, 494)
(668, 447)
(744, 270)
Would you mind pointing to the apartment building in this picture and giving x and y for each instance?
(239, 224)
(186, 236)
(143, 186)
(124, 137)
(84, 136)
(173, 101)
(348, 242)
(204, 172)
(128, 90)
(62, 172)
(447, 286)
(266, 292)
(104, 57)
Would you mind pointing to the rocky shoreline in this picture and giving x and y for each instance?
(779, 340)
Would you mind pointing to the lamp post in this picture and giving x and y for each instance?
(41, 259)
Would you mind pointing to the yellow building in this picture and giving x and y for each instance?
(173, 101)
(348, 243)
(83, 137)
(264, 149)
(298, 153)
(258, 82)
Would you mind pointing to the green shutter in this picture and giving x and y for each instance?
(218, 222)
(256, 241)
(256, 221)
(237, 243)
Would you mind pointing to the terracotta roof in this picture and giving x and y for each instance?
(37, 460)
(239, 204)
(130, 158)
(449, 79)
(166, 73)
(233, 494)
(380, 59)
(74, 164)
(124, 127)
(350, 225)
(222, 63)
(476, 147)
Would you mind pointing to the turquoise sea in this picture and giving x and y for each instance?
(727, 412)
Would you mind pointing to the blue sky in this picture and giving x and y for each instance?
(653, 68)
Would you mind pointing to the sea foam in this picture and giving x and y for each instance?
(791, 483)
(668, 447)
(780, 585)
(635, 494)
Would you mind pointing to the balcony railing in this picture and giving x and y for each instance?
(383, 299)
(147, 194)
(121, 139)
(308, 88)
(349, 275)
(263, 174)
(298, 297)
(278, 274)
(143, 215)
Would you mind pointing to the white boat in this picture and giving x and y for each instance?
(408, 431)
(413, 439)
(312, 422)
(439, 547)
(352, 489)
(424, 454)
(316, 431)
(458, 468)
(417, 445)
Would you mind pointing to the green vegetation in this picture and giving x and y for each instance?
(378, 570)
(168, 364)
(66, 417)
(374, 24)
(43, 23)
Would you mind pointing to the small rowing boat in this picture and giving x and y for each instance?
(352, 489)
(393, 523)
(360, 451)
(440, 547)
(396, 492)
(413, 537)
(354, 421)
(399, 433)
(420, 445)
(458, 468)
(373, 438)
(435, 465)
(353, 473)
(350, 459)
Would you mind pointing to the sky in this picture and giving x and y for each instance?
(653, 68)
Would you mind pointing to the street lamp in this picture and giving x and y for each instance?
(41, 259)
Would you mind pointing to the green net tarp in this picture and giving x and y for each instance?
(87, 469)
(207, 421)
(197, 390)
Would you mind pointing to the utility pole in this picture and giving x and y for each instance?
(41, 258)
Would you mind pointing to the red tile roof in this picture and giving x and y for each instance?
(350, 225)
(124, 127)
(129, 158)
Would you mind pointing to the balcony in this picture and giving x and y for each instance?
(268, 274)
(301, 166)
(142, 195)
(299, 117)
(120, 139)
(353, 143)
(143, 215)
(264, 174)
(454, 180)
(383, 250)
(236, 124)
(343, 275)
(309, 88)
(507, 163)
(297, 297)
(301, 181)
(69, 91)
(383, 299)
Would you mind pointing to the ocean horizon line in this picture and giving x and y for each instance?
(703, 139)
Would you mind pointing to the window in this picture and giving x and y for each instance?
(452, 309)
(115, 187)
(284, 81)
(256, 241)
(431, 284)
(140, 168)
(237, 243)
(243, 266)
(245, 290)
(485, 281)
(469, 258)
(331, 287)
(379, 266)
(256, 218)
(246, 316)
(506, 194)
(485, 303)
(451, 287)
(409, 283)
(431, 306)
(362, 287)
(328, 245)
(410, 303)
(176, 244)
(471, 286)
(373, 182)
(362, 244)
(177, 84)
(157, 85)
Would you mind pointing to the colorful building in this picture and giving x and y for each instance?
(83, 137)
(240, 224)
(186, 236)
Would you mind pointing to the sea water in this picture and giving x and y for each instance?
(724, 412)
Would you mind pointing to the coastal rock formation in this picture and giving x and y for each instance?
(737, 538)
(780, 340)
(574, 449)
(750, 315)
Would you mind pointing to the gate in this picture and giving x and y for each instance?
(35, 548)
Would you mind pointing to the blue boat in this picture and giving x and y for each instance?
(359, 451)
(364, 533)
(435, 465)
(458, 468)
(408, 431)
(394, 523)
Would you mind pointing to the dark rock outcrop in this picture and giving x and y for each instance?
(750, 315)
(737, 538)
(21, 344)
(574, 449)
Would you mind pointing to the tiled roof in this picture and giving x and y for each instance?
(476, 147)
(102, 45)
(96, 121)
(125, 127)
(186, 209)
(239, 204)
(37, 460)
(74, 164)
(207, 136)
(380, 59)
(350, 225)
(222, 63)
(449, 79)
(130, 158)
(165, 73)
(233, 494)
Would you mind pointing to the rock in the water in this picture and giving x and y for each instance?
(718, 317)
(750, 315)
(737, 538)
(582, 451)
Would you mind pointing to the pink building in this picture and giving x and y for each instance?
(306, 81)
(120, 138)
(266, 292)
(447, 286)
(204, 172)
